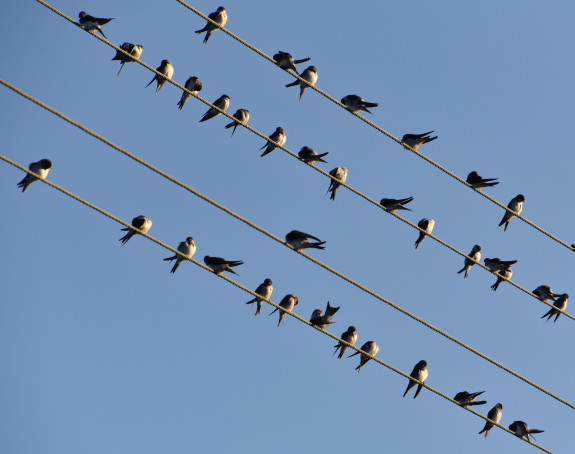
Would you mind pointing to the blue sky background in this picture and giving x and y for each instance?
(103, 350)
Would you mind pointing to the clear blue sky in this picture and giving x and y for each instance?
(103, 350)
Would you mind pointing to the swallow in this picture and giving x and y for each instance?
(167, 70)
(522, 430)
(544, 293)
(141, 223)
(494, 415)
(307, 155)
(370, 348)
(340, 175)
(187, 248)
(416, 140)
(427, 225)
(278, 136)
(516, 205)
(92, 24)
(285, 61)
(220, 17)
(354, 104)
(265, 290)
(309, 75)
(558, 306)
(502, 275)
(501, 268)
(392, 205)
(350, 336)
(242, 117)
(219, 265)
(135, 51)
(323, 321)
(419, 373)
(478, 183)
(194, 84)
(40, 168)
(475, 254)
(223, 102)
(300, 241)
(288, 302)
(466, 399)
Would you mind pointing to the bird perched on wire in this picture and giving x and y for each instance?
(187, 248)
(495, 416)
(355, 104)
(40, 168)
(544, 293)
(323, 321)
(288, 302)
(416, 140)
(522, 430)
(242, 117)
(219, 265)
(419, 373)
(558, 306)
(194, 85)
(370, 348)
(222, 103)
(340, 175)
(427, 225)
(278, 136)
(167, 71)
(392, 205)
(91, 23)
(479, 183)
(220, 17)
(135, 51)
(349, 336)
(265, 290)
(307, 155)
(285, 61)
(501, 268)
(466, 399)
(475, 254)
(141, 223)
(516, 205)
(310, 77)
(300, 241)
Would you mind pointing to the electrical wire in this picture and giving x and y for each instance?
(251, 292)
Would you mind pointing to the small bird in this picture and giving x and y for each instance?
(219, 265)
(323, 321)
(167, 70)
(141, 223)
(278, 136)
(392, 205)
(91, 23)
(559, 305)
(40, 168)
(300, 241)
(501, 268)
(468, 399)
(427, 225)
(265, 290)
(516, 205)
(193, 84)
(478, 183)
(309, 75)
(187, 248)
(285, 61)
(354, 103)
(307, 155)
(475, 254)
(340, 175)
(135, 51)
(371, 348)
(288, 302)
(494, 415)
(242, 117)
(420, 373)
(223, 102)
(416, 140)
(220, 17)
(544, 293)
(502, 274)
(350, 336)
(522, 430)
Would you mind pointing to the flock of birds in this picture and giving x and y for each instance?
(300, 240)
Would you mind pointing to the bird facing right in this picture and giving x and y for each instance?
(40, 168)
(419, 373)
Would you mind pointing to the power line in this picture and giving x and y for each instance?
(277, 239)
(373, 125)
(247, 290)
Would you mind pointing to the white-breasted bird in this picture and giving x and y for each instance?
(265, 290)
(466, 399)
(355, 103)
(544, 293)
(501, 268)
(135, 51)
(307, 155)
(416, 140)
(242, 117)
(220, 17)
(141, 223)
(559, 305)
(475, 254)
(427, 225)
(285, 61)
(219, 265)
(91, 23)
(515, 205)
(187, 248)
(194, 84)
(323, 321)
(288, 302)
(420, 373)
(340, 175)
(495, 416)
(349, 336)
(278, 136)
(40, 168)
(300, 241)
(309, 75)
(522, 430)
(223, 102)
(370, 348)
(167, 70)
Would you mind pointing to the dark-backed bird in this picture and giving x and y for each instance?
(475, 254)
(300, 241)
(323, 321)
(494, 415)
(242, 117)
(427, 225)
(278, 136)
(466, 399)
(416, 140)
(370, 348)
(544, 293)
(516, 205)
(222, 103)
(91, 23)
(310, 77)
(392, 205)
(141, 223)
(419, 373)
(479, 183)
(167, 70)
(220, 17)
(219, 265)
(265, 290)
(340, 175)
(135, 51)
(349, 336)
(522, 430)
(187, 248)
(288, 302)
(193, 84)
(355, 104)
(558, 306)
(285, 61)
(40, 168)
(307, 155)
